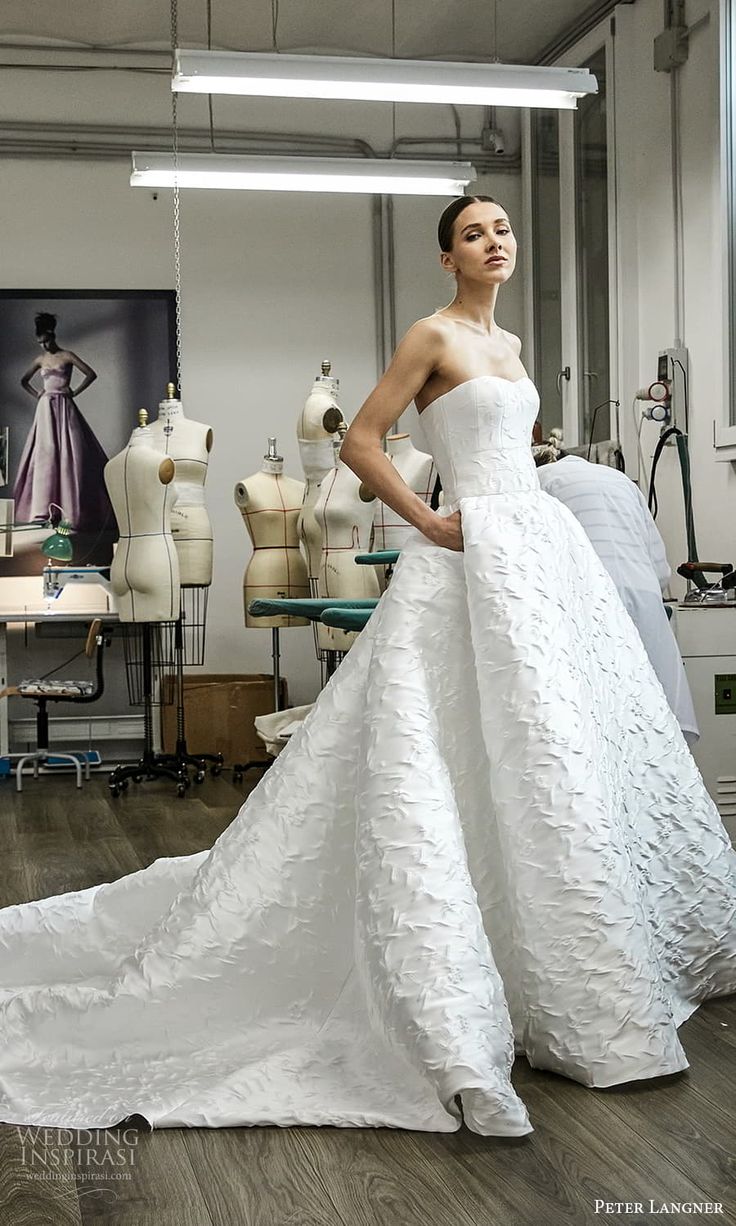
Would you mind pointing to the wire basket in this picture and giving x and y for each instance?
(193, 619)
(149, 653)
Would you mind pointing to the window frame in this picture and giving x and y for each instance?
(724, 433)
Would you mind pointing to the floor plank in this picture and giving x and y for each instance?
(147, 1180)
(376, 1177)
(37, 1179)
(259, 1177)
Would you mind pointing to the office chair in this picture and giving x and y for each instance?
(45, 691)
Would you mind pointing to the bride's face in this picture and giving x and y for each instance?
(483, 245)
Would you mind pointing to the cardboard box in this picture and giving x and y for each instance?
(219, 710)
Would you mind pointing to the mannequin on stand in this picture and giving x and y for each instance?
(188, 443)
(270, 503)
(418, 471)
(344, 512)
(318, 440)
(145, 569)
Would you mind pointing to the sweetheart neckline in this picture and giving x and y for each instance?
(475, 379)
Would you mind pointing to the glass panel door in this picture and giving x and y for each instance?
(545, 202)
(570, 193)
(592, 255)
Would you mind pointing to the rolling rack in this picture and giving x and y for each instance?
(240, 768)
(330, 611)
(155, 656)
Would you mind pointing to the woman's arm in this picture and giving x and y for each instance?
(26, 380)
(415, 359)
(89, 374)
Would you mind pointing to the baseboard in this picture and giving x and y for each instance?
(88, 728)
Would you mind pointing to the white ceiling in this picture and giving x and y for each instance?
(432, 29)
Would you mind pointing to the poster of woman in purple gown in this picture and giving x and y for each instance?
(101, 355)
(62, 463)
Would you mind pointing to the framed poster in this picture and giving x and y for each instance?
(75, 368)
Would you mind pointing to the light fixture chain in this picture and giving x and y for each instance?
(495, 31)
(209, 96)
(393, 56)
(176, 212)
(274, 24)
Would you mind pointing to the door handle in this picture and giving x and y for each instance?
(563, 374)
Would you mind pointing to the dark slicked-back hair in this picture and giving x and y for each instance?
(45, 324)
(446, 223)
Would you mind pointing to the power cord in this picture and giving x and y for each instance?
(71, 660)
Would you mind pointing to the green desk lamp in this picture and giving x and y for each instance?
(58, 546)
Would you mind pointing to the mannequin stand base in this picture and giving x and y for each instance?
(181, 758)
(150, 766)
(240, 769)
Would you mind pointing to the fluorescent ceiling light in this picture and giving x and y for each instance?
(379, 80)
(259, 172)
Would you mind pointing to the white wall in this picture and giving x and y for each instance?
(272, 284)
(646, 252)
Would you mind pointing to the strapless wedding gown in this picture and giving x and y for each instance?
(488, 837)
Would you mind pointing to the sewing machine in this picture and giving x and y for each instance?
(55, 578)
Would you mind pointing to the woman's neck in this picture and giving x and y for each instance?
(477, 305)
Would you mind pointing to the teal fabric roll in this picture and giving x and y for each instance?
(311, 607)
(385, 556)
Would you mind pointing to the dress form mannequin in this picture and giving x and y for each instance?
(318, 440)
(189, 444)
(269, 503)
(344, 511)
(145, 569)
(418, 471)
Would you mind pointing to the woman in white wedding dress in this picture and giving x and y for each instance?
(488, 836)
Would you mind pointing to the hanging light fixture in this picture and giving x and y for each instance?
(258, 172)
(379, 80)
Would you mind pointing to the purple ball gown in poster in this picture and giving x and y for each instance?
(62, 461)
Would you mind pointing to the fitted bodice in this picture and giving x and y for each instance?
(480, 434)
(56, 378)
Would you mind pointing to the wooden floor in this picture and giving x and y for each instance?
(668, 1140)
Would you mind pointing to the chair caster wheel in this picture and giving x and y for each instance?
(237, 776)
(181, 789)
(114, 791)
(217, 770)
(137, 779)
(124, 785)
(199, 777)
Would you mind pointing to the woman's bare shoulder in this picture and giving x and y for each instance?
(514, 341)
(432, 325)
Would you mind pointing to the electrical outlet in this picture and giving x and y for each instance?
(673, 366)
(725, 693)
